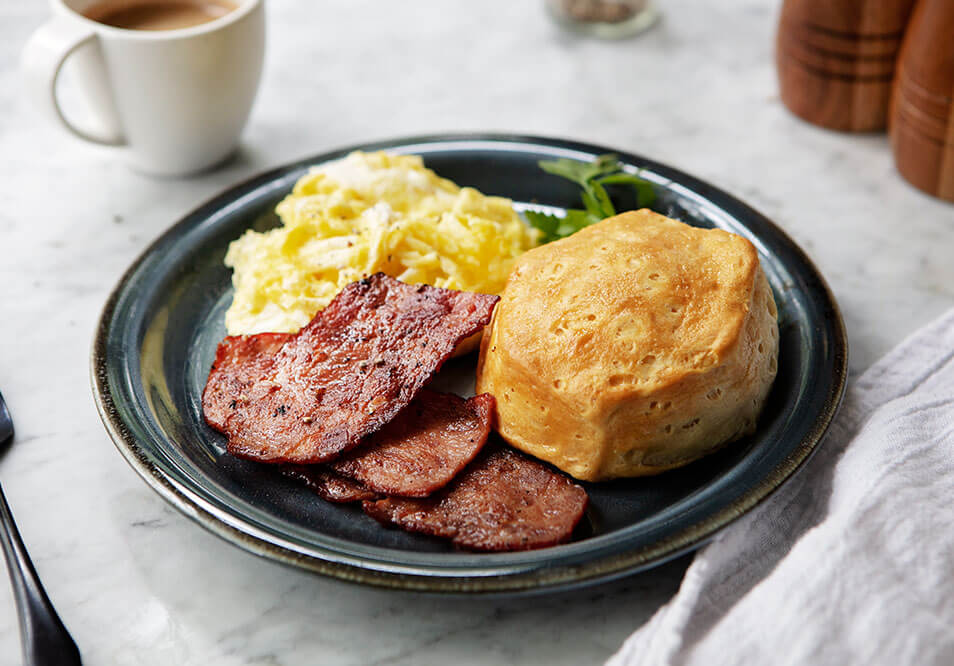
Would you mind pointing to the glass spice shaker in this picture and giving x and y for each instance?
(608, 19)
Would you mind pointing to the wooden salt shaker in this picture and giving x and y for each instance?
(836, 60)
(922, 107)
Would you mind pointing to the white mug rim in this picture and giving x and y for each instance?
(246, 7)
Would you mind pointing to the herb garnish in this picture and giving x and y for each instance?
(592, 177)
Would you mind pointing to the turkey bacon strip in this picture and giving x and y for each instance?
(348, 372)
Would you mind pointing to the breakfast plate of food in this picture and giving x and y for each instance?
(470, 364)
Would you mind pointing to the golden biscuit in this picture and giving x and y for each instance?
(634, 346)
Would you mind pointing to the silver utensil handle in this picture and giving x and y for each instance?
(45, 640)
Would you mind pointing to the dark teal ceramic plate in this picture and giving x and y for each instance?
(158, 332)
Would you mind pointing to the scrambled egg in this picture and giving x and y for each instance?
(361, 215)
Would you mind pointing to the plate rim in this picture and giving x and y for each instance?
(534, 579)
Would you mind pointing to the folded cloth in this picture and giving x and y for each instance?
(852, 561)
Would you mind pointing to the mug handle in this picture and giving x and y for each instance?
(43, 58)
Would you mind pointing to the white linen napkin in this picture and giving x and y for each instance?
(852, 561)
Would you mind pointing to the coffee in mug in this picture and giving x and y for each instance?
(157, 14)
(169, 83)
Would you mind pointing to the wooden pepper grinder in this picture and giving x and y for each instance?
(922, 107)
(836, 60)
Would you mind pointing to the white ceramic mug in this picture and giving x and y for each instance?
(174, 101)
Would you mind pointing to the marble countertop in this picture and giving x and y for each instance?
(135, 581)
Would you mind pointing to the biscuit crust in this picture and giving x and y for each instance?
(637, 345)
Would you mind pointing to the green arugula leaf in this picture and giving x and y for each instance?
(621, 178)
(548, 224)
(645, 194)
(592, 205)
(591, 177)
(577, 172)
(581, 172)
(602, 199)
(574, 221)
